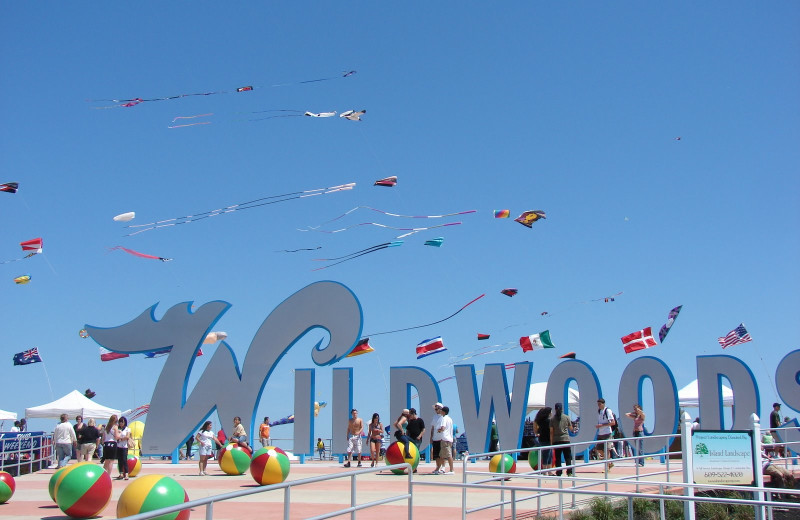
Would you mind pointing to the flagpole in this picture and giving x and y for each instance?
(53, 397)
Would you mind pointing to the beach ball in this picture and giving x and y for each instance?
(395, 455)
(83, 490)
(51, 487)
(152, 492)
(533, 459)
(234, 459)
(269, 466)
(7, 487)
(503, 463)
(134, 466)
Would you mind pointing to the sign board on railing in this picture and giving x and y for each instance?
(723, 457)
(12, 442)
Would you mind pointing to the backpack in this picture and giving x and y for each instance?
(613, 418)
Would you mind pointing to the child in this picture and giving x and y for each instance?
(320, 448)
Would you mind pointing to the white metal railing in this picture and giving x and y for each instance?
(209, 502)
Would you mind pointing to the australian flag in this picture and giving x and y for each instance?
(27, 357)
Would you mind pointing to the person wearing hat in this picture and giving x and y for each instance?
(436, 437)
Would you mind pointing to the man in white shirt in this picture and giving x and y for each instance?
(605, 420)
(436, 436)
(446, 446)
(65, 440)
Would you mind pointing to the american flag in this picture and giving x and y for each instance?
(735, 337)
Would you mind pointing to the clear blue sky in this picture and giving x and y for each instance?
(572, 109)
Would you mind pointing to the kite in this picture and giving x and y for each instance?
(509, 292)
(638, 340)
(391, 215)
(320, 114)
(429, 324)
(430, 346)
(89, 394)
(352, 115)
(607, 299)
(137, 253)
(502, 213)
(529, 217)
(9, 187)
(22, 280)
(677, 138)
(33, 247)
(568, 355)
(125, 217)
(411, 231)
(435, 242)
(318, 405)
(126, 103)
(135, 413)
(735, 337)
(673, 315)
(536, 342)
(545, 313)
(285, 420)
(483, 336)
(173, 125)
(83, 333)
(301, 249)
(351, 256)
(362, 347)
(387, 181)
(289, 113)
(274, 199)
(213, 337)
(164, 351)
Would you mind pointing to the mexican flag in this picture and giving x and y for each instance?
(536, 342)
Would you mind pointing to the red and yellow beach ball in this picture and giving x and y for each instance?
(152, 492)
(7, 486)
(270, 465)
(82, 490)
(395, 455)
(234, 459)
(134, 465)
(503, 463)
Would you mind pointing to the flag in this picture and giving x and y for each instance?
(671, 317)
(536, 342)
(430, 346)
(734, 337)
(638, 340)
(107, 355)
(483, 336)
(164, 351)
(509, 292)
(34, 244)
(362, 347)
(27, 357)
(9, 187)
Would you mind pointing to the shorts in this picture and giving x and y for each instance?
(376, 441)
(436, 446)
(446, 450)
(110, 450)
(354, 444)
(204, 450)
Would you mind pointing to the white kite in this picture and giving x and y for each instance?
(352, 115)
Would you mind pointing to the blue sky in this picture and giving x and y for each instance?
(572, 109)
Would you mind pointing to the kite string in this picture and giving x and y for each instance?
(428, 324)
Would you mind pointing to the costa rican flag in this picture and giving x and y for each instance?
(430, 346)
(107, 355)
(638, 340)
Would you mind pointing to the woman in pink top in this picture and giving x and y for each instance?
(638, 430)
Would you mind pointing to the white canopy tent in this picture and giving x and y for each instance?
(6, 416)
(688, 396)
(536, 399)
(72, 404)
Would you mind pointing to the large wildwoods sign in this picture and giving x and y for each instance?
(235, 390)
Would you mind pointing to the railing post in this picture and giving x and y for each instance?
(686, 448)
(210, 511)
(630, 508)
(287, 503)
(353, 496)
(560, 499)
(410, 492)
(464, 489)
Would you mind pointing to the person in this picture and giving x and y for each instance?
(696, 424)
(560, 427)
(320, 448)
(15, 428)
(189, 443)
(239, 436)
(263, 432)
(638, 431)
(65, 440)
(779, 477)
(375, 432)
(436, 436)
(109, 444)
(400, 426)
(23, 425)
(774, 424)
(79, 425)
(88, 439)
(605, 421)
(415, 428)
(355, 426)
(541, 424)
(446, 445)
(205, 439)
(122, 435)
(494, 438)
